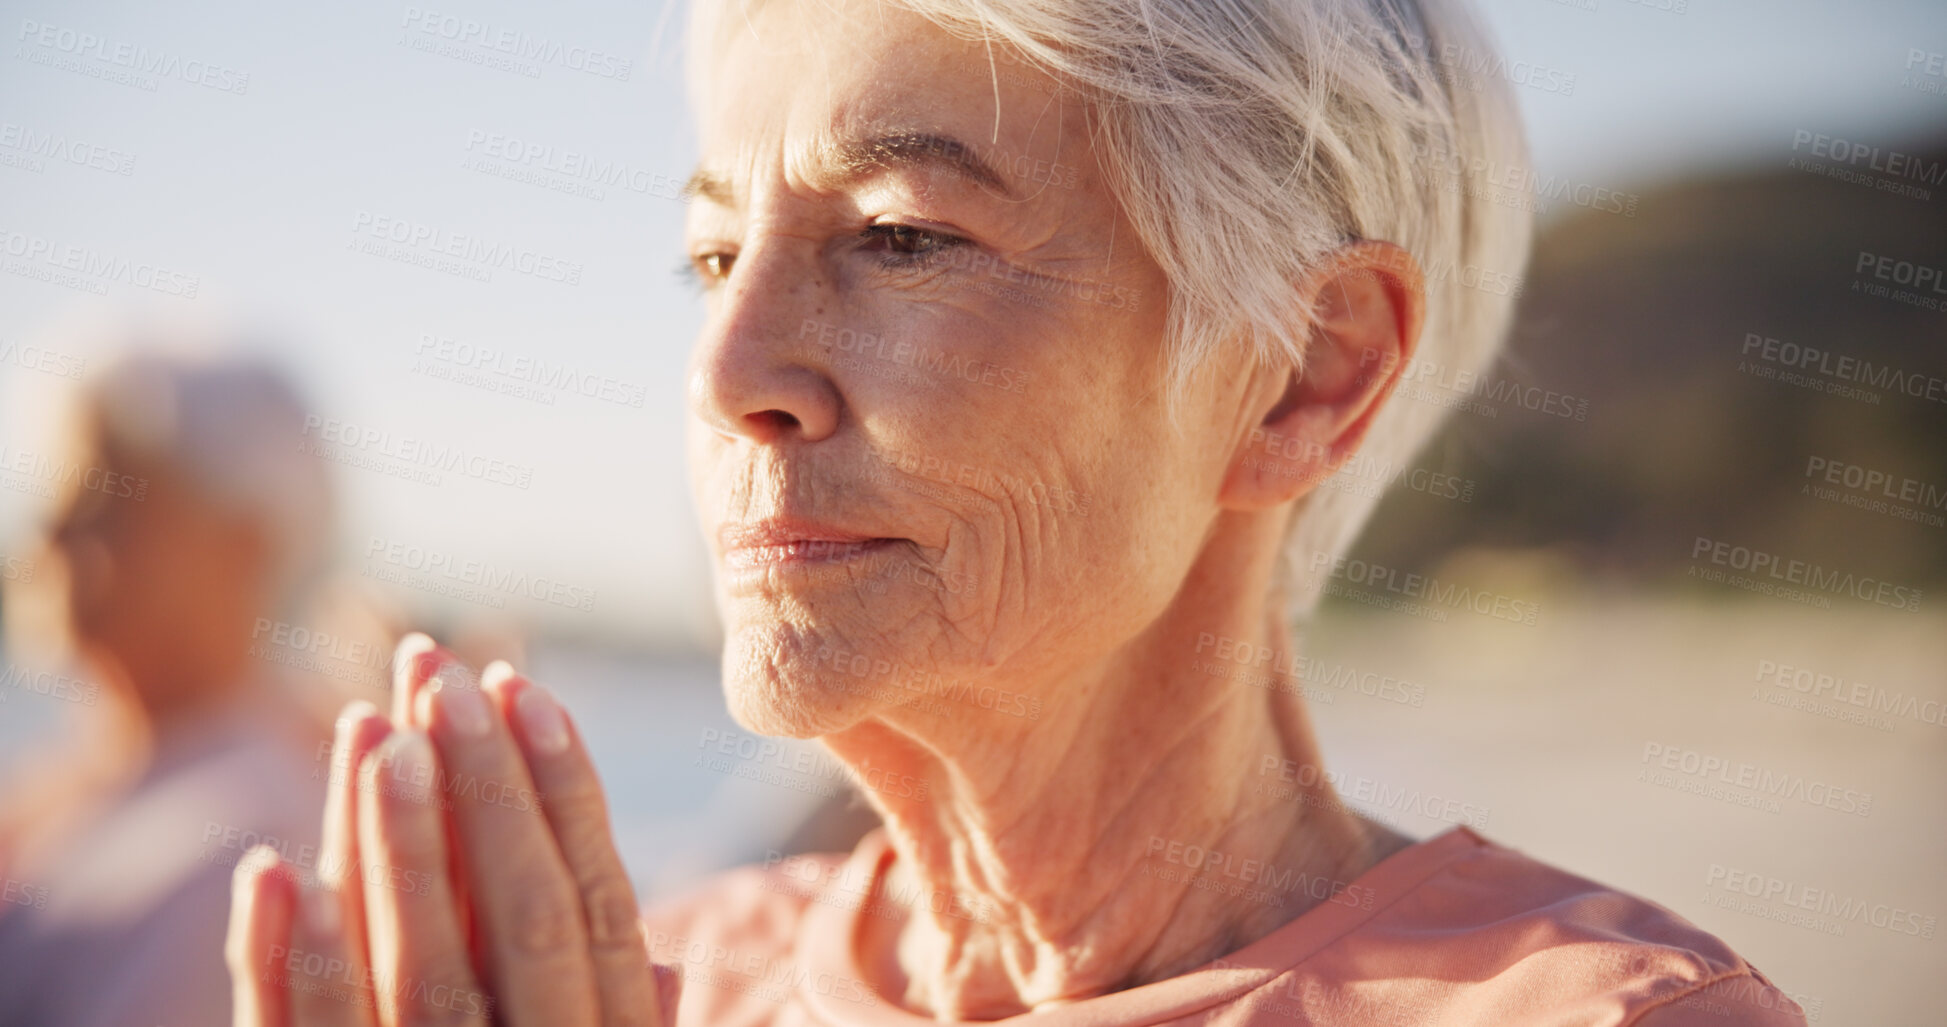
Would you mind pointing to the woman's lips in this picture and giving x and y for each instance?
(788, 542)
(801, 551)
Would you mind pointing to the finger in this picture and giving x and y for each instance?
(577, 813)
(261, 899)
(360, 729)
(326, 987)
(412, 663)
(669, 988)
(528, 908)
(421, 973)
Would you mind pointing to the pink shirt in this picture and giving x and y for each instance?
(1453, 930)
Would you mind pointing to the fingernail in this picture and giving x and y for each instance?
(464, 708)
(541, 718)
(354, 711)
(406, 659)
(497, 672)
(252, 864)
(411, 757)
(321, 911)
(432, 671)
(669, 989)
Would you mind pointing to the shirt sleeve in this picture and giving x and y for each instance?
(1741, 999)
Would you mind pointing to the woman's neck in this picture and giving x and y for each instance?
(1159, 812)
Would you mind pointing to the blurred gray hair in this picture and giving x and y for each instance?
(233, 426)
(1248, 139)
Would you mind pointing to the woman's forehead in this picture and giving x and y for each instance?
(863, 69)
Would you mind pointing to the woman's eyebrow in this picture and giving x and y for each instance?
(849, 160)
(854, 159)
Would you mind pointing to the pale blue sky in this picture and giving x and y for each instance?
(343, 118)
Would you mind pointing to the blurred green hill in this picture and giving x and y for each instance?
(1647, 319)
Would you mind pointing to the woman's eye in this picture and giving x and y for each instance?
(903, 245)
(706, 269)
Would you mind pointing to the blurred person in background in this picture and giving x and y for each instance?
(188, 517)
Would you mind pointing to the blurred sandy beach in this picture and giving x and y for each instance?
(1535, 736)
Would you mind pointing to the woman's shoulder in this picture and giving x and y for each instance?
(1509, 925)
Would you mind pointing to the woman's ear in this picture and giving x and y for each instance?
(1368, 302)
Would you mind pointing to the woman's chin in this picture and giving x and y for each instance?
(789, 695)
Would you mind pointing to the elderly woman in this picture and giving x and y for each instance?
(1033, 328)
(188, 517)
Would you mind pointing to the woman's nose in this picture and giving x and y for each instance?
(758, 372)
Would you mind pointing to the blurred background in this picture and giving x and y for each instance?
(1731, 355)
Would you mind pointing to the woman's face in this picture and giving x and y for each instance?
(928, 447)
(152, 576)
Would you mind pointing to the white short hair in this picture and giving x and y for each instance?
(1248, 139)
(234, 427)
